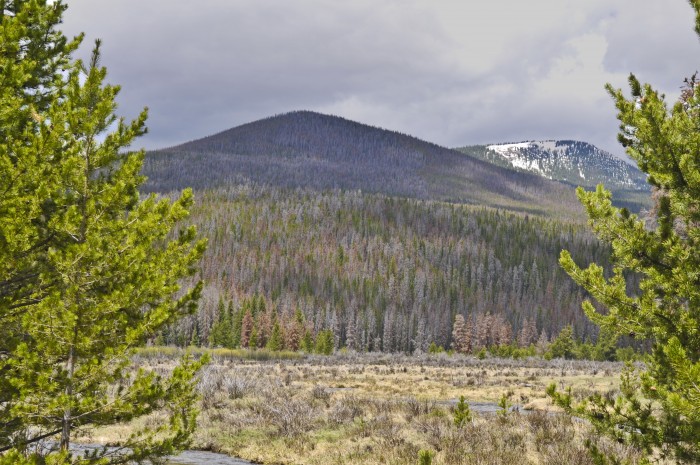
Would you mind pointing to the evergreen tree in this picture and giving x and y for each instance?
(542, 343)
(32, 55)
(87, 272)
(216, 329)
(276, 341)
(484, 324)
(221, 333)
(606, 346)
(563, 346)
(259, 305)
(350, 341)
(462, 414)
(237, 325)
(247, 325)
(294, 331)
(265, 321)
(528, 333)
(324, 342)
(253, 341)
(195, 340)
(307, 342)
(659, 407)
(461, 339)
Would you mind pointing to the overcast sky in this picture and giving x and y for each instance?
(454, 72)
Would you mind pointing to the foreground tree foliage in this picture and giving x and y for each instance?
(87, 271)
(31, 58)
(659, 407)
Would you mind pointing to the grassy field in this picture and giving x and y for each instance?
(385, 409)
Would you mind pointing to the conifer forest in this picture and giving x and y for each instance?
(384, 273)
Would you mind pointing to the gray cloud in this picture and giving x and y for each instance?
(451, 72)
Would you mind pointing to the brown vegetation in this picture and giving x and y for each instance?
(371, 409)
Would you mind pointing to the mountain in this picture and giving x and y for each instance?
(366, 232)
(573, 162)
(311, 150)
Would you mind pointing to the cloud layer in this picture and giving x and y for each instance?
(452, 72)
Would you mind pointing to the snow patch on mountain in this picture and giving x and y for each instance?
(506, 148)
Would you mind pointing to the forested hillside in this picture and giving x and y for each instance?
(377, 236)
(384, 273)
(311, 150)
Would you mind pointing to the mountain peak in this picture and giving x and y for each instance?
(298, 133)
(305, 149)
(574, 162)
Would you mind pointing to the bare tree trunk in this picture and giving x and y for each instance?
(70, 365)
(67, 413)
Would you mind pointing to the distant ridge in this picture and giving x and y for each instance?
(575, 162)
(317, 151)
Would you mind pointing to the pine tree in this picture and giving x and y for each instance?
(606, 346)
(259, 305)
(528, 333)
(502, 331)
(307, 342)
(32, 55)
(87, 272)
(324, 342)
(564, 345)
(462, 414)
(253, 341)
(236, 326)
(221, 333)
(659, 407)
(484, 324)
(276, 341)
(542, 343)
(421, 340)
(461, 339)
(246, 328)
(195, 340)
(265, 321)
(350, 342)
(294, 331)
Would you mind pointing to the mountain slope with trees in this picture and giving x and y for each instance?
(383, 273)
(311, 150)
(376, 236)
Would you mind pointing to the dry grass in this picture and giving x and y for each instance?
(384, 409)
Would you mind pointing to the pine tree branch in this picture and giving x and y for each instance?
(29, 441)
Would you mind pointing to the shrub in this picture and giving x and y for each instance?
(462, 415)
(503, 406)
(425, 457)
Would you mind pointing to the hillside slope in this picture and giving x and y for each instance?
(392, 271)
(311, 150)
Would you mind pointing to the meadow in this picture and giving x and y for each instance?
(387, 409)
